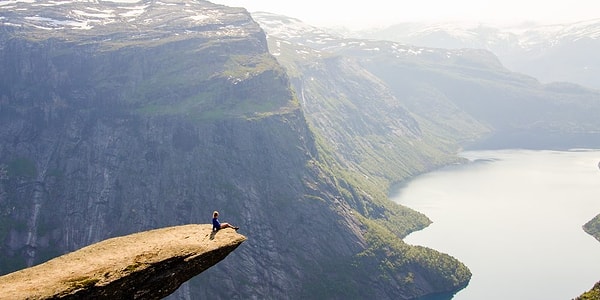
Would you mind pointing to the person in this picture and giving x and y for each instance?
(218, 225)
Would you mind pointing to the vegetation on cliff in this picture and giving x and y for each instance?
(384, 111)
(593, 294)
(368, 140)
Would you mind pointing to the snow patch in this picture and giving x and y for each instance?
(100, 14)
(4, 3)
(134, 11)
(49, 24)
(124, 1)
(199, 18)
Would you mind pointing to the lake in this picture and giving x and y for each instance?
(514, 217)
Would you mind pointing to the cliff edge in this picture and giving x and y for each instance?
(148, 265)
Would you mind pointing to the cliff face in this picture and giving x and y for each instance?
(145, 265)
(118, 118)
(105, 132)
(100, 132)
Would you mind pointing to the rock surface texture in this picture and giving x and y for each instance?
(145, 265)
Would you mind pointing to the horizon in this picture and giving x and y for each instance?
(382, 13)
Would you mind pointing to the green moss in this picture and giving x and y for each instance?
(249, 86)
(132, 268)
(81, 282)
(239, 67)
(368, 195)
(397, 260)
(386, 223)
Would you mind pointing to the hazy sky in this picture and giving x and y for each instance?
(357, 14)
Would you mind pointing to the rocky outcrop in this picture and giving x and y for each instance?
(592, 227)
(145, 265)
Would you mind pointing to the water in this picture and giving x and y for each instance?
(514, 218)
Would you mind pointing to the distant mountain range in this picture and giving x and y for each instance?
(462, 90)
(561, 52)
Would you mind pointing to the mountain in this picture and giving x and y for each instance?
(374, 133)
(465, 97)
(447, 98)
(120, 117)
(561, 52)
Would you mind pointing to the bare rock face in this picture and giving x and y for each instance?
(145, 265)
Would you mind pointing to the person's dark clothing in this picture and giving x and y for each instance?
(216, 224)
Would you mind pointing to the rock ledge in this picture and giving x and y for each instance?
(148, 265)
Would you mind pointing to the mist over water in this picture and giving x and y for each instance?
(514, 217)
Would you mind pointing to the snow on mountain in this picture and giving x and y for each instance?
(158, 17)
(457, 35)
(316, 41)
(559, 52)
(296, 31)
(553, 35)
(572, 31)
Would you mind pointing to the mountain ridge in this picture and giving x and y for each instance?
(462, 79)
(559, 52)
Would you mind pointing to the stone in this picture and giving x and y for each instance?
(145, 265)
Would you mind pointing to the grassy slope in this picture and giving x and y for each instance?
(368, 141)
(593, 294)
